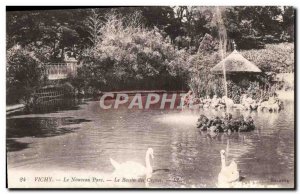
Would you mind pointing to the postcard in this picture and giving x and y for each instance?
(168, 97)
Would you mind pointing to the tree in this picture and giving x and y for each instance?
(288, 20)
(59, 30)
(254, 26)
(195, 23)
(201, 80)
(132, 56)
(93, 27)
(24, 74)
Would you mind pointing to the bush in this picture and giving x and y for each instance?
(132, 57)
(275, 58)
(202, 82)
(24, 74)
(236, 89)
(278, 58)
(68, 88)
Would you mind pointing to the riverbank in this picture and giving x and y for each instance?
(14, 108)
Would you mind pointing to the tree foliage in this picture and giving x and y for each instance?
(277, 58)
(128, 54)
(24, 74)
(254, 26)
(150, 47)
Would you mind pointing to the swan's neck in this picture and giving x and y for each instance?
(148, 165)
(223, 161)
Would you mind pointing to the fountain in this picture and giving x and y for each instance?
(222, 43)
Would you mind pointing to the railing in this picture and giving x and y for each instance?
(60, 70)
(49, 93)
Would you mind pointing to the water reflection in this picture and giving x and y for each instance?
(39, 127)
(52, 105)
(13, 145)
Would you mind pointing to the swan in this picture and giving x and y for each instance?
(130, 169)
(228, 174)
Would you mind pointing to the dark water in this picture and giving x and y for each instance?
(84, 137)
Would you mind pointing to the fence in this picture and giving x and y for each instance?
(57, 71)
(49, 93)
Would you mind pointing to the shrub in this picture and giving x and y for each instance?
(278, 58)
(130, 56)
(24, 74)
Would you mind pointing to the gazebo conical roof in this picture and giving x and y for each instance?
(235, 63)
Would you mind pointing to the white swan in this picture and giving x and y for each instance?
(132, 169)
(228, 174)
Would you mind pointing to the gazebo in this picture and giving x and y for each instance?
(239, 71)
(235, 64)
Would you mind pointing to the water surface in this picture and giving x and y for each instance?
(83, 137)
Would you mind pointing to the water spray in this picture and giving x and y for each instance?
(222, 44)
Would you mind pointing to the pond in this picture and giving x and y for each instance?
(82, 138)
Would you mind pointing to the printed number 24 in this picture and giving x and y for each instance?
(22, 179)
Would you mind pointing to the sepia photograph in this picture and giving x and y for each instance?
(150, 97)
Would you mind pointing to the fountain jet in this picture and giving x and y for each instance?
(222, 42)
